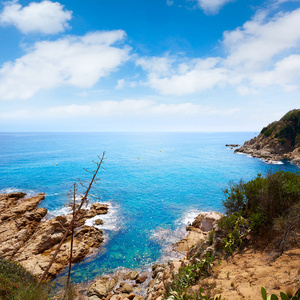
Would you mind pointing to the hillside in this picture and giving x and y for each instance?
(279, 140)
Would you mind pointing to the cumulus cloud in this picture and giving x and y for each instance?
(212, 6)
(261, 53)
(75, 61)
(259, 40)
(126, 108)
(187, 78)
(44, 17)
(285, 73)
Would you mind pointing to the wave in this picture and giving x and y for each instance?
(167, 237)
(111, 220)
(29, 193)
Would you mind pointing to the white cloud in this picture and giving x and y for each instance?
(126, 108)
(212, 6)
(75, 61)
(286, 73)
(120, 84)
(261, 53)
(259, 40)
(44, 17)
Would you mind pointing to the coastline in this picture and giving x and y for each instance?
(30, 239)
(203, 237)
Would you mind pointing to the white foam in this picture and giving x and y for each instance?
(29, 193)
(273, 162)
(189, 217)
(167, 237)
(111, 220)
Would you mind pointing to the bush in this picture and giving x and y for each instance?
(17, 283)
(188, 276)
(264, 198)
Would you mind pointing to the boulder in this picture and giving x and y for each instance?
(99, 222)
(206, 221)
(141, 279)
(126, 289)
(100, 287)
(131, 275)
(99, 208)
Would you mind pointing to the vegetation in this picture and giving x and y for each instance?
(283, 296)
(17, 283)
(286, 130)
(188, 276)
(264, 203)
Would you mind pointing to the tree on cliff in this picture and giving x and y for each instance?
(76, 212)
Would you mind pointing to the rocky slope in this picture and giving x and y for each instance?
(240, 276)
(27, 238)
(279, 140)
(129, 284)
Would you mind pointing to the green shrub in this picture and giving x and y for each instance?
(17, 283)
(263, 197)
(188, 276)
(235, 198)
(236, 228)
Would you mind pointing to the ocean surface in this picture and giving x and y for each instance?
(154, 183)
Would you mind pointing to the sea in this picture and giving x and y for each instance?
(155, 185)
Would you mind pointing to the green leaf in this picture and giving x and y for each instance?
(264, 293)
(284, 296)
(274, 297)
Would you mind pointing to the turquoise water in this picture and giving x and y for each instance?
(154, 183)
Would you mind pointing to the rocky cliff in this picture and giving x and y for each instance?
(27, 238)
(279, 140)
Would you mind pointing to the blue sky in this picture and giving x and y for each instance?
(148, 65)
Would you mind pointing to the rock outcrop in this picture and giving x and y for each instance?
(196, 243)
(31, 241)
(279, 140)
(199, 230)
(122, 285)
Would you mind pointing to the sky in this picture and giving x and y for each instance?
(148, 65)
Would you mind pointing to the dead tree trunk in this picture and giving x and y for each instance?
(83, 200)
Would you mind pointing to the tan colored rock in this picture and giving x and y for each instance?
(141, 279)
(131, 296)
(99, 208)
(99, 222)
(131, 275)
(100, 287)
(31, 242)
(126, 289)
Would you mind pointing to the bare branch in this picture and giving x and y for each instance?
(83, 200)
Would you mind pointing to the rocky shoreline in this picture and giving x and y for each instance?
(278, 141)
(28, 238)
(129, 284)
(269, 151)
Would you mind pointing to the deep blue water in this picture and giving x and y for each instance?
(154, 183)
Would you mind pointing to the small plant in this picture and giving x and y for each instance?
(283, 296)
(189, 275)
(236, 234)
(211, 237)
